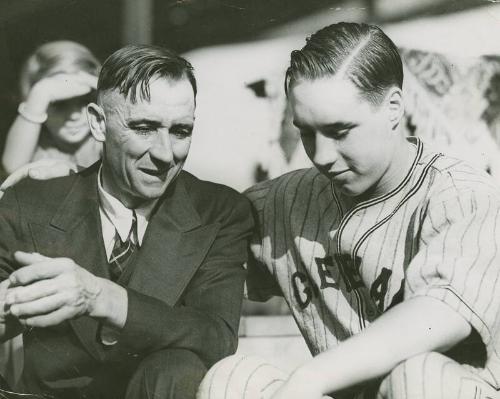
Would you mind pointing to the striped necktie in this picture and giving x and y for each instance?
(122, 250)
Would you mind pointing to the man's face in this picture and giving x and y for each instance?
(146, 143)
(347, 138)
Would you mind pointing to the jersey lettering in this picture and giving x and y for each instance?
(349, 270)
(379, 288)
(302, 289)
(399, 296)
(325, 276)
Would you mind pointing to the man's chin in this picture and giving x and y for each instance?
(154, 188)
(152, 191)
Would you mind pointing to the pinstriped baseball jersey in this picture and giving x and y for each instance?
(339, 265)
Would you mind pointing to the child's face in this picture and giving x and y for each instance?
(67, 120)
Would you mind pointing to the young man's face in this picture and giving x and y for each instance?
(146, 143)
(347, 138)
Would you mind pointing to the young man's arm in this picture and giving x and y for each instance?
(451, 286)
(418, 325)
(42, 169)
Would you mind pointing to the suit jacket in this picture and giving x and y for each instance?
(184, 287)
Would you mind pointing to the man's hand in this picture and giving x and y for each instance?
(40, 170)
(47, 291)
(298, 386)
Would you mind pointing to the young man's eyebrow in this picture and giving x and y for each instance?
(339, 125)
(332, 126)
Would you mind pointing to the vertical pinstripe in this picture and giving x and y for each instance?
(426, 376)
(436, 234)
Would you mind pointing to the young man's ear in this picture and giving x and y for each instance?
(396, 107)
(97, 121)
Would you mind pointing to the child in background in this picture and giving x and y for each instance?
(57, 82)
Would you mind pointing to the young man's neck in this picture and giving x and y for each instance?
(404, 156)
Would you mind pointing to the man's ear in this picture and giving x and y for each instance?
(97, 121)
(395, 107)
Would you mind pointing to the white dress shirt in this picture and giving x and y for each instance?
(117, 218)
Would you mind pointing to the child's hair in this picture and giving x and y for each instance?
(55, 57)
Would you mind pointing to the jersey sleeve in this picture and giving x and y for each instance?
(458, 261)
(260, 284)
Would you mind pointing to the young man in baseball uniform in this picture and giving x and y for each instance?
(387, 253)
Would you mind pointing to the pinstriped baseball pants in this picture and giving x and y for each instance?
(427, 376)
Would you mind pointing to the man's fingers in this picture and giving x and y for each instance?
(40, 170)
(42, 306)
(37, 290)
(15, 177)
(56, 169)
(4, 285)
(54, 318)
(88, 79)
(38, 271)
(28, 258)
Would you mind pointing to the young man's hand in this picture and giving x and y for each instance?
(43, 169)
(299, 386)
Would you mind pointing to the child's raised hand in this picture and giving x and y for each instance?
(62, 86)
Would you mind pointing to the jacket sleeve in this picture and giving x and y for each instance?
(12, 233)
(206, 320)
(12, 238)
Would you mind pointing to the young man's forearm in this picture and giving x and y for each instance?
(418, 325)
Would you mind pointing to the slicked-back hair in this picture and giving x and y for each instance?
(130, 69)
(361, 53)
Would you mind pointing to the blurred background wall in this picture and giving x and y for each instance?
(240, 50)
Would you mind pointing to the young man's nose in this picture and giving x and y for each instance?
(325, 151)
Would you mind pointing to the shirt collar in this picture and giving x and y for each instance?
(121, 216)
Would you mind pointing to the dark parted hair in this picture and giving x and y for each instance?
(131, 68)
(360, 52)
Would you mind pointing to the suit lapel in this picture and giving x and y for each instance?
(174, 246)
(75, 232)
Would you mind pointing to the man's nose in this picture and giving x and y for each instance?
(161, 148)
(326, 151)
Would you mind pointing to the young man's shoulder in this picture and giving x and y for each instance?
(451, 176)
(290, 185)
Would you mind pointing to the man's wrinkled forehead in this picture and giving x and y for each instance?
(167, 100)
(135, 94)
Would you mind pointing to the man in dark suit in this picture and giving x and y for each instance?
(125, 279)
